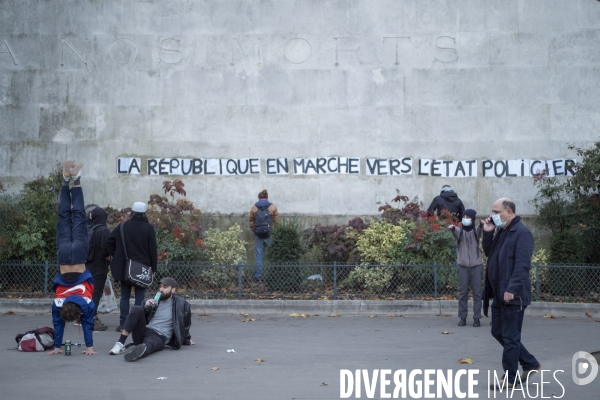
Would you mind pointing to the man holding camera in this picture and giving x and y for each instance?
(164, 320)
(508, 245)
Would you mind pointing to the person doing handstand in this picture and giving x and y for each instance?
(73, 285)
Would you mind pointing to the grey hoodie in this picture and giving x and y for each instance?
(468, 254)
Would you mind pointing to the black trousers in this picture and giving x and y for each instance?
(99, 275)
(135, 324)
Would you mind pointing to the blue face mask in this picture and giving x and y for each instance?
(466, 222)
(497, 221)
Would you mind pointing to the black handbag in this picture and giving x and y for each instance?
(136, 273)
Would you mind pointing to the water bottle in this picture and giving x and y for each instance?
(67, 347)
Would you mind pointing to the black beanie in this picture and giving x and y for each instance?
(471, 214)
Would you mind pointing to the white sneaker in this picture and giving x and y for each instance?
(118, 348)
(77, 322)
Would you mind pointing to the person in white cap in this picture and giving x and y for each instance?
(140, 239)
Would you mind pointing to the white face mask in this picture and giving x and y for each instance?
(466, 222)
(497, 221)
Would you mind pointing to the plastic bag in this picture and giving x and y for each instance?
(108, 302)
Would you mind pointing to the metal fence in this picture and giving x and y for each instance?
(317, 281)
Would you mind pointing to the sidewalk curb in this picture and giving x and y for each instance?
(344, 307)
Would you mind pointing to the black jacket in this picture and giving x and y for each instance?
(447, 201)
(140, 240)
(98, 234)
(182, 320)
(512, 266)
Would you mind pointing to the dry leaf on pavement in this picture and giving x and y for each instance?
(244, 314)
(259, 360)
(214, 368)
(249, 320)
(466, 360)
(589, 314)
(548, 315)
(304, 315)
(335, 315)
(446, 333)
(372, 316)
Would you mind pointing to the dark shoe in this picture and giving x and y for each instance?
(98, 325)
(119, 328)
(137, 353)
(476, 323)
(462, 322)
(529, 373)
(502, 386)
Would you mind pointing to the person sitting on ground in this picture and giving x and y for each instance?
(73, 285)
(153, 326)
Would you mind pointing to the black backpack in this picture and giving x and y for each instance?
(263, 222)
(91, 243)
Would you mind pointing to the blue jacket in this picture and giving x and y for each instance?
(514, 263)
(78, 292)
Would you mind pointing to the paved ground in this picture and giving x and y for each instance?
(302, 355)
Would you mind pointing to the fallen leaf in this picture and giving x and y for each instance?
(466, 360)
(324, 384)
(446, 333)
(294, 315)
(548, 315)
(372, 316)
(391, 315)
(589, 314)
(316, 315)
(10, 312)
(214, 368)
(249, 320)
(304, 315)
(259, 360)
(335, 315)
(244, 314)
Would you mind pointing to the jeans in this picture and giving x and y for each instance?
(71, 228)
(125, 296)
(135, 324)
(470, 275)
(260, 244)
(507, 322)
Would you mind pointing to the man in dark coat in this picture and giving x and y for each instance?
(508, 245)
(140, 239)
(97, 259)
(447, 200)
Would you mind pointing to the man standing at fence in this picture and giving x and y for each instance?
(97, 259)
(447, 200)
(263, 215)
(140, 239)
(507, 282)
(469, 266)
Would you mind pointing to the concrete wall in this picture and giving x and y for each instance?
(444, 79)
